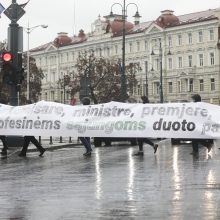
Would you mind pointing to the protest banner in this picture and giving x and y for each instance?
(113, 119)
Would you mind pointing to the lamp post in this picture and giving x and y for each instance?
(161, 71)
(123, 92)
(28, 31)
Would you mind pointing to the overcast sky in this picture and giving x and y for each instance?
(72, 15)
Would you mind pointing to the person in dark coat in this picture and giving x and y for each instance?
(141, 141)
(205, 142)
(28, 139)
(86, 140)
(3, 137)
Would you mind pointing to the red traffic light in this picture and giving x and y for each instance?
(7, 56)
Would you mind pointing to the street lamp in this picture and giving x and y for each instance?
(28, 31)
(123, 92)
(161, 71)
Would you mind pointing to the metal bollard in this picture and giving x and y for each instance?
(61, 139)
(40, 139)
(51, 140)
(70, 140)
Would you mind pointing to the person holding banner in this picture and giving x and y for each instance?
(86, 140)
(205, 142)
(141, 141)
(28, 139)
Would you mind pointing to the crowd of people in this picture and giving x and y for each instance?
(208, 143)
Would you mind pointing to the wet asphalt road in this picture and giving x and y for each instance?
(112, 184)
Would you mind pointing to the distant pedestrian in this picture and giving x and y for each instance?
(86, 140)
(28, 139)
(208, 143)
(141, 141)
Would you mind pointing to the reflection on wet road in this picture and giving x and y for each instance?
(112, 184)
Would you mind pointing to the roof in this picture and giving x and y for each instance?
(168, 20)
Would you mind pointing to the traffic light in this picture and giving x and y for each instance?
(12, 74)
(7, 68)
(20, 70)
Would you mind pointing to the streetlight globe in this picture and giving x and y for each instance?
(44, 26)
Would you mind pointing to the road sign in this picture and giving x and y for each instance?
(1, 8)
(19, 12)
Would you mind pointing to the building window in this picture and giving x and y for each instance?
(179, 39)
(138, 90)
(200, 59)
(53, 77)
(157, 64)
(190, 38)
(200, 37)
(190, 60)
(212, 81)
(201, 85)
(211, 34)
(170, 87)
(145, 45)
(52, 95)
(138, 46)
(170, 63)
(179, 86)
(170, 41)
(100, 52)
(190, 85)
(156, 87)
(46, 77)
(212, 58)
(180, 62)
(116, 49)
(61, 96)
(130, 47)
(108, 52)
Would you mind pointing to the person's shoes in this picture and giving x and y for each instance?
(88, 153)
(155, 148)
(194, 153)
(42, 152)
(139, 153)
(209, 147)
(4, 153)
(22, 155)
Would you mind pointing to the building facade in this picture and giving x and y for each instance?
(181, 52)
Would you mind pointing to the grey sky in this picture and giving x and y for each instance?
(72, 15)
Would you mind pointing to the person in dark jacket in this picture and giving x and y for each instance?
(28, 139)
(205, 142)
(141, 141)
(86, 140)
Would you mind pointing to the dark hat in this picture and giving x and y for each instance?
(145, 99)
(28, 101)
(86, 101)
(196, 98)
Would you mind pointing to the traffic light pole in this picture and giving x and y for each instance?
(13, 33)
(14, 51)
(14, 12)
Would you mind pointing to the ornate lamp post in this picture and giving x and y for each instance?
(161, 71)
(123, 92)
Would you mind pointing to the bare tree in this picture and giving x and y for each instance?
(101, 78)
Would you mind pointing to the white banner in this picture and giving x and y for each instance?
(113, 119)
